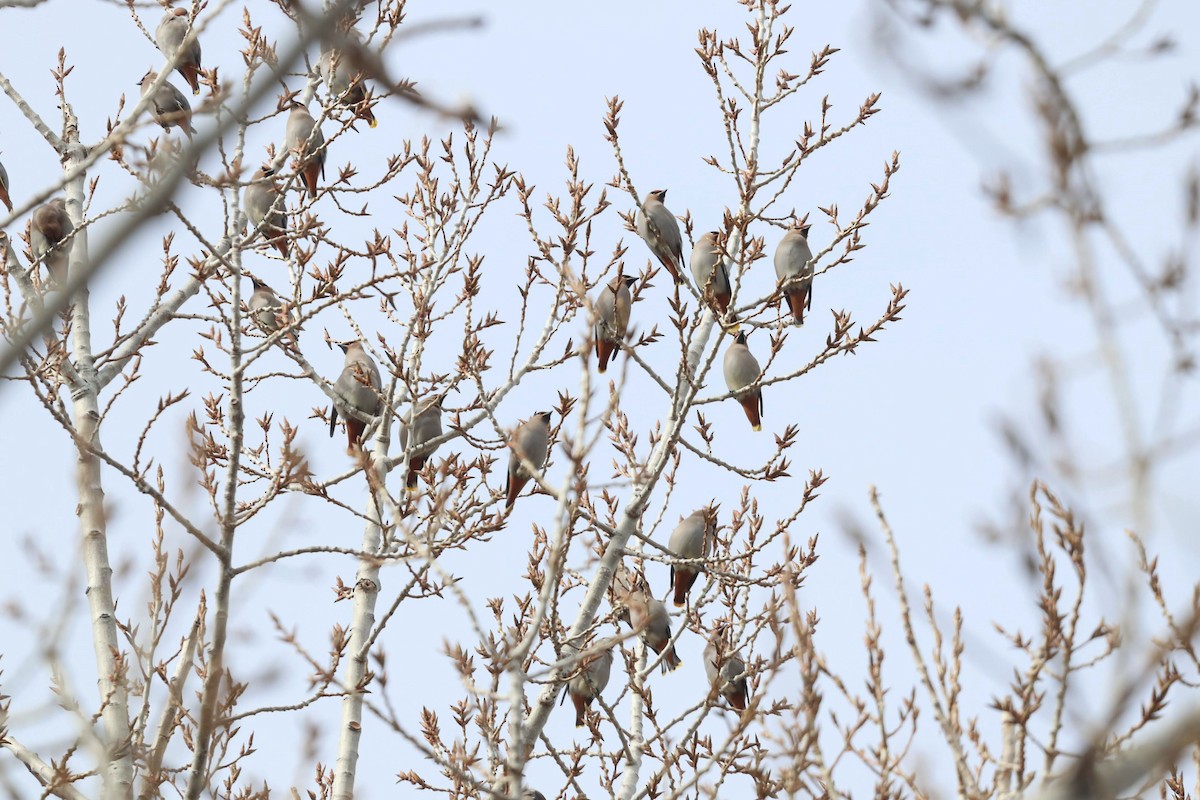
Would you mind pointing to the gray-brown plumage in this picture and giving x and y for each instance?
(358, 387)
(263, 200)
(48, 231)
(588, 682)
(794, 270)
(426, 426)
(169, 36)
(168, 106)
(741, 370)
(708, 270)
(531, 441)
(307, 144)
(624, 582)
(4, 188)
(692, 538)
(612, 318)
(649, 617)
(660, 230)
(346, 83)
(726, 669)
(267, 310)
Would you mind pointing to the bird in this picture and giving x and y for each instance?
(649, 616)
(794, 269)
(612, 318)
(531, 442)
(741, 370)
(168, 106)
(307, 143)
(266, 309)
(169, 36)
(659, 229)
(346, 84)
(692, 539)
(4, 188)
(591, 676)
(426, 426)
(712, 278)
(358, 387)
(48, 230)
(726, 669)
(263, 201)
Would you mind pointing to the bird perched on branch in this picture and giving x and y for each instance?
(588, 682)
(263, 200)
(4, 189)
(726, 669)
(793, 267)
(345, 82)
(612, 318)
(307, 144)
(712, 278)
(49, 230)
(358, 387)
(169, 37)
(660, 230)
(531, 442)
(742, 370)
(426, 426)
(692, 538)
(266, 309)
(649, 617)
(168, 106)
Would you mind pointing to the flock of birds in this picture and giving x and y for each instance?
(359, 385)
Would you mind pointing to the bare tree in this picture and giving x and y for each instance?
(451, 372)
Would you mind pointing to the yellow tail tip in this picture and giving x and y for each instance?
(374, 123)
(757, 427)
(195, 92)
(678, 604)
(410, 489)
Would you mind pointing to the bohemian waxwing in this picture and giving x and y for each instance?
(712, 279)
(589, 679)
(169, 36)
(266, 309)
(263, 201)
(612, 318)
(4, 188)
(692, 538)
(726, 669)
(531, 441)
(307, 144)
(358, 386)
(426, 426)
(660, 230)
(649, 616)
(345, 83)
(741, 370)
(48, 230)
(794, 270)
(168, 106)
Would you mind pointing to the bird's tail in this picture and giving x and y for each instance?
(751, 404)
(191, 74)
(415, 465)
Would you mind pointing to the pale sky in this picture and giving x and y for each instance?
(912, 414)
